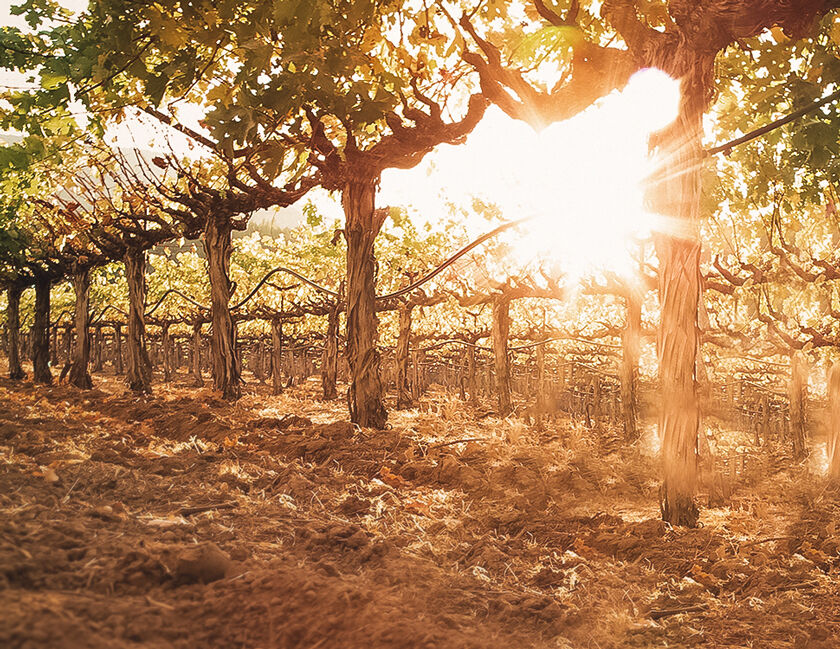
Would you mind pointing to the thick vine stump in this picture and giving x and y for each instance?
(676, 193)
(41, 332)
(363, 223)
(16, 372)
(833, 443)
(630, 337)
(217, 245)
(79, 374)
(329, 360)
(139, 374)
(403, 359)
(500, 334)
(276, 356)
(798, 383)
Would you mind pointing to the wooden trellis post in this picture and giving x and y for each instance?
(118, 354)
(630, 337)
(98, 356)
(195, 355)
(41, 332)
(54, 346)
(329, 361)
(276, 355)
(500, 333)
(798, 387)
(404, 392)
(165, 352)
(472, 380)
(13, 324)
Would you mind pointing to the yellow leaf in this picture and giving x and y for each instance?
(778, 35)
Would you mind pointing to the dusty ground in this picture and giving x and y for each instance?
(180, 521)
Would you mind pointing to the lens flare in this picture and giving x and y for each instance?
(580, 180)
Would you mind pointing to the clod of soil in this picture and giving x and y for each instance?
(201, 563)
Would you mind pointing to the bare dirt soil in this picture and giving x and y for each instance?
(182, 521)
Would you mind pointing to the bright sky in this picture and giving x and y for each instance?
(580, 179)
(8, 20)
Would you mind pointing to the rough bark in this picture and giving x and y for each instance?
(500, 334)
(329, 361)
(68, 344)
(139, 375)
(676, 194)
(217, 245)
(41, 332)
(798, 382)
(98, 344)
(54, 346)
(237, 348)
(16, 372)
(833, 443)
(404, 399)
(79, 374)
(363, 223)
(630, 338)
(276, 356)
(195, 353)
(118, 353)
(166, 344)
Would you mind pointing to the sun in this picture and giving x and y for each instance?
(580, 182)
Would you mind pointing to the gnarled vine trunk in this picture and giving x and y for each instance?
(166, 345)
(676, 194)
(276, 356)
(237, 349)
(833, 444)
(68, 345)
(363, 223)
(54, 346)
(403, 339)
(41, 332)
(500, 334)
(139, 375)
(630, 337)
(79, 374)
(13, 294)
(798, 381)
(217, 245)
(329, 360)
(118, 353)
(98, 344)
(195, 352)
